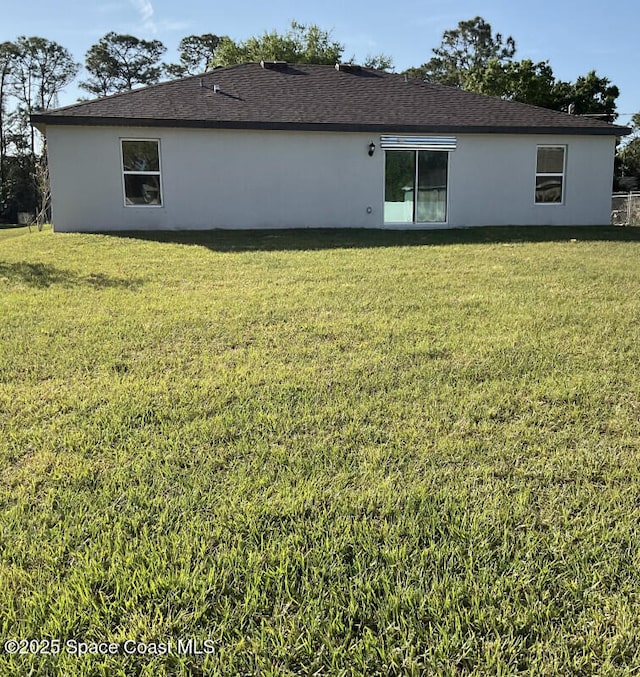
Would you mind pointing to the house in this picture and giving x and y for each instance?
(273, 145)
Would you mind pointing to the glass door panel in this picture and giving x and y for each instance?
(431, 206)
(399, 180)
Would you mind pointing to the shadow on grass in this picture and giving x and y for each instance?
(329, 238)
(42, 275)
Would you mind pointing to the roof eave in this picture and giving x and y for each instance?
(41, 120)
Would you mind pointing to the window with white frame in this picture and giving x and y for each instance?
(141, 172)
(550, 171)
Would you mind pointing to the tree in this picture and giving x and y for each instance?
(523, 81)
(464, 51)
(300, 44)
(473, 58)
(17, 192)
(118, 63)
(229, 53)
(535, 84)
(381, 62)
(42, 69)
(7, 64)
(591, 94)
(196, 53)
(33, 71)
(628, 159)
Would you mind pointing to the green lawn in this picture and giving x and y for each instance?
(347, 453)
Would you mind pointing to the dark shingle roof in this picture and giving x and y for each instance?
(313, 97)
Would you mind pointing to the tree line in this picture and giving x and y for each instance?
(34, 70)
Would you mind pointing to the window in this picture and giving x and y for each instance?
(550, 168)
(141, 172)
(415, 186)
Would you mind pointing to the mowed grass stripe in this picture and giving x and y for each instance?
(338, 453)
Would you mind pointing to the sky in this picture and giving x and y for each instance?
(575, 37)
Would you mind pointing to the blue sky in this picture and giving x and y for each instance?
(574, 37)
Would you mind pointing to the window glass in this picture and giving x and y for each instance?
(548, 189)
(142, 189)
(550, 160)
(140, 156)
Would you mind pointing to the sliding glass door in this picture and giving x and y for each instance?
(415, 186)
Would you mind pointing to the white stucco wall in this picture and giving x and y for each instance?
(217, 179)
(274, 179)
(492, 181)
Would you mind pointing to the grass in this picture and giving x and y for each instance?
(344, 453)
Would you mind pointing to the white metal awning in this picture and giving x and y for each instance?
(418, 142)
